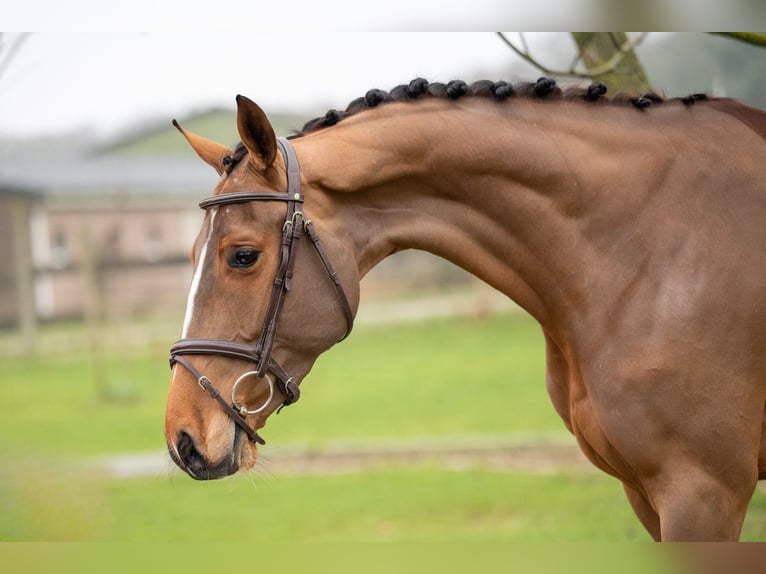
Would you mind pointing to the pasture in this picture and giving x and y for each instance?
(441, 381)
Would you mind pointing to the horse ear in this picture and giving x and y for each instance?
(256, 133)
(211, 152)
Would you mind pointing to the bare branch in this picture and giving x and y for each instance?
(523, 39)
(615, 60)
(13, 49)
(526, 56)
(604, 68)
(753, 38)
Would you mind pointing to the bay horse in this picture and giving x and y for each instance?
(633, 229)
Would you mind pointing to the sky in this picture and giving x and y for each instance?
(105, 83)
(103, 76)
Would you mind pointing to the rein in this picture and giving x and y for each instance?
(266, 366)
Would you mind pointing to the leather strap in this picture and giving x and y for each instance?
(205, 383)
(283, 276)
(309, 227)
(242, 351)
(246, 197)
(292, 168)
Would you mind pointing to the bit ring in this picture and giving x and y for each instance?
(242, 409)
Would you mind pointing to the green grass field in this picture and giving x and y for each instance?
(440, 379)
(445, 377)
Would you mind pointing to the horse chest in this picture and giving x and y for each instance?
(575, 407)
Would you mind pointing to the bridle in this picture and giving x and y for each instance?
(260, 354)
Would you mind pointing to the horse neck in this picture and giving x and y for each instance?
(484, 186)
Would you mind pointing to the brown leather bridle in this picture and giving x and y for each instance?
(260, 354)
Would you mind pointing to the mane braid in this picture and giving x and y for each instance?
(543, 89)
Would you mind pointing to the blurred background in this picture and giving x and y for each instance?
(394, 439)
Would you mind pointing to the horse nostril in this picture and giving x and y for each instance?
(192, 460)
(189, 459)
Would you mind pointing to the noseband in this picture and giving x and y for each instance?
(266, 366)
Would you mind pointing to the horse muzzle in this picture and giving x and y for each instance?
(188, 457)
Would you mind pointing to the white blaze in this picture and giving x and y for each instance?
(196, 278)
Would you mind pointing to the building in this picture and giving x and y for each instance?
(107, 235)
(100, 233)
(17, 305)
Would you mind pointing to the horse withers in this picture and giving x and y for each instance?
(631, 229)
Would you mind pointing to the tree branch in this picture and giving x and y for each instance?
(604, 68)
(13, 49)
(615, 60)
(526, 56)
(752, 38)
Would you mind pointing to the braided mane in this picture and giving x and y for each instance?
(542, 89)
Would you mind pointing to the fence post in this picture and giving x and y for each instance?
(94, 308)
(25, 274)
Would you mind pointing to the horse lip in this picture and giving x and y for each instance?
(226, 467)
(223, 469)
(175, 457)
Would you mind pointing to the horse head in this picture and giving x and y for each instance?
(260, 309)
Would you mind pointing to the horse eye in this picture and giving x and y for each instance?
(243, 258)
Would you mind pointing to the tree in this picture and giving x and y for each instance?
(610, 57)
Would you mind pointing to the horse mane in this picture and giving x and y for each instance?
(542, 89)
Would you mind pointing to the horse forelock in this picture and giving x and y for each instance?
(231, 160)
(543, 89)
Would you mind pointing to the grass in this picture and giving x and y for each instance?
(399, 504)
(455, 377)
(443, 378)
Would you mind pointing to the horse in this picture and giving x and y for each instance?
(632, 228)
